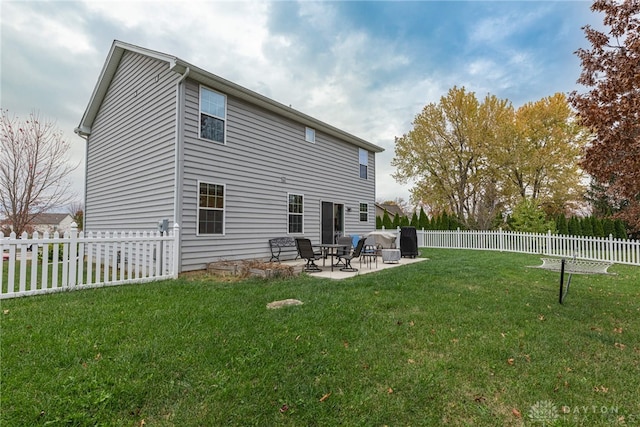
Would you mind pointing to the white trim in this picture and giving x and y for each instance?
(362, 151)
(224, 209)
(224, 119)
(307, 132)
(289, 193)
(368, 211)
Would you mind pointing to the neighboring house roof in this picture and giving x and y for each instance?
(49, 219)
(392, 210)
(182, 67)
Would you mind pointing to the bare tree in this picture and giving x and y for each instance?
(34, 167)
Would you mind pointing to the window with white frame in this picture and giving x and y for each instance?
(364, 212)
(210, 208)
(296, 213)
(310, 135)
(213, 115)
(364, 162)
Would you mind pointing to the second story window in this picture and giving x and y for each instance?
(310, 135)
(213, 115)
(364, 162)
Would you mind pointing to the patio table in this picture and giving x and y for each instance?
(330, 249)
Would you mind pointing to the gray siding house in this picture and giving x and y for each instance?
(168, 140)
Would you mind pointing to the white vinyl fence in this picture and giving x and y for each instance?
(620, 251)
(42, 264)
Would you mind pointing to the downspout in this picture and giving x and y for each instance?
(179, 161)
(84, 136)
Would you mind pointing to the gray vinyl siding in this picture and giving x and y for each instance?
(130, 152)
(261, 149)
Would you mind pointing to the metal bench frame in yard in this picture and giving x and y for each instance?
(572, 266)
(280, 245)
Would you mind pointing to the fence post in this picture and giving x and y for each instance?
(73, 254)
(611, 257)
(458, 244)
(547, 249)
(500, 239)
(12, 263)
(176, 250)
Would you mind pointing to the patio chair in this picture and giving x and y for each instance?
(346, 241)
(370, 252)
(348, 257)
(305, 250)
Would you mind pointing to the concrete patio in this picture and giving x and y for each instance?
(365, 269)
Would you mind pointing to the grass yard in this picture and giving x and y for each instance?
(466, 338)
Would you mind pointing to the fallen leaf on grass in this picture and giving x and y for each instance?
(345, 344)
(620, 345)
(284, 408)
(516, 413)
(601, 389)
(511, 361)
(541, 317)
(389, 390)
(325, 397)
(617, 330)
(5, 312)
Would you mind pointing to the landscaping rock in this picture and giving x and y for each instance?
(284, 303)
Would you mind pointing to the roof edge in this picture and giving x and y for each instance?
(177, 65)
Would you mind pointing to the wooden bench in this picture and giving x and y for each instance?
(282, 245)
(572, 266)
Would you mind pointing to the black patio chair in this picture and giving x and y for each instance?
(345, 241)
(305, 250)
(349, 256)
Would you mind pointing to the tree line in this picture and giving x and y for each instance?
(476, 157)
(591, 226)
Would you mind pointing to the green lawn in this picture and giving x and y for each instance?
(466, 338)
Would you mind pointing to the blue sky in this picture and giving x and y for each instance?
(365, 67)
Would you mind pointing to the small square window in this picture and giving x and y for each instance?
(310, 135)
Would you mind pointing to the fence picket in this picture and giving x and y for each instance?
(591, 248)
(80, 260)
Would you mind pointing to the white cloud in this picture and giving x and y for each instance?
(43, 31)
(359, 78)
